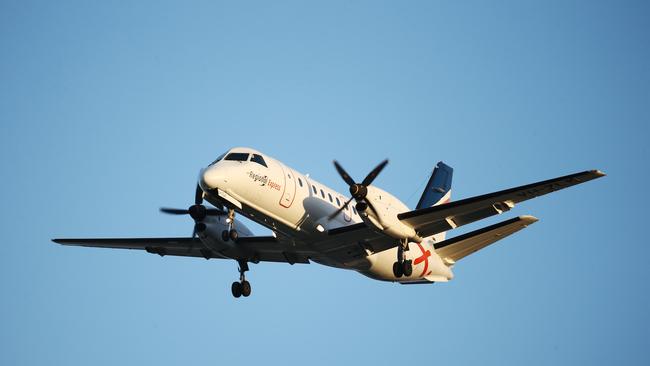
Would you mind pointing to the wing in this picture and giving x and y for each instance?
(349, 245)
(437, 219)
(270, 249)
(254, 248)
(457, 248)
(186, 247)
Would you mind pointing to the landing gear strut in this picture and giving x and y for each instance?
(402, 267)
(231, 233)
(243, 287)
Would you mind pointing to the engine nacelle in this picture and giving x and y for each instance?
(385, 219)
(211, 235)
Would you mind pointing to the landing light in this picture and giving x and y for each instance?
(320, 228)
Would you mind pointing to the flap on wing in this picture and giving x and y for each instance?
(459, 247)
(437, 219)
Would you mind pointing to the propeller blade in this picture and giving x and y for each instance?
(174, 211)
(346, 177)
(374, 173)
(198, 196)
(330, 217)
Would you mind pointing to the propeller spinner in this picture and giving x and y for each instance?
(358, 190)
(197, 211)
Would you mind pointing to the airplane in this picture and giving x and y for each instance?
(377, 236)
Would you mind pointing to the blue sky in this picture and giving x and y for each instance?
(109, 109)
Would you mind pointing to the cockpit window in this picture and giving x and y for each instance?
(258, 159)
(237, 156)
(218, 159)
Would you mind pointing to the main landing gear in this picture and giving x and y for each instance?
(231, 233)
(243, 287)
(402, 267)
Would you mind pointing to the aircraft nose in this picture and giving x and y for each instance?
(212, 178)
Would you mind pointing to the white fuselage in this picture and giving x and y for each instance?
(296, 206)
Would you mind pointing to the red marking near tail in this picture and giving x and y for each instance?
(424, 258)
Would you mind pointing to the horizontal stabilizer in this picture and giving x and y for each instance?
(459, 247)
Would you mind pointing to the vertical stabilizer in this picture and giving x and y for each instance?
(438, 190)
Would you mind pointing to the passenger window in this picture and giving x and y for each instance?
(314, 188)
(330, 196)
(258, 159)
(355, 210)
(300, 181)
(338, 203)
(322, 193)
(237, 156)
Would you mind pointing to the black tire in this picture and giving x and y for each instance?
(236, 289)
(407, 268)
(397, 269)
(234, 235)
(225, 236)
(246, 289)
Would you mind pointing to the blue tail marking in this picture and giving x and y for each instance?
(439, 184)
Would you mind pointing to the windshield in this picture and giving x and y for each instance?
(218, 159)
(258, 159)
(237, 156)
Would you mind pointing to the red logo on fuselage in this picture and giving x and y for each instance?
(423, 258)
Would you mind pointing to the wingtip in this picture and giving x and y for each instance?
(528, 219)
(598, 173)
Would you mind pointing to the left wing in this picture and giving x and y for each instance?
(437, 219)
(252, 248)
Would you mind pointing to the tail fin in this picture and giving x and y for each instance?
(438, 189)
(437, 192)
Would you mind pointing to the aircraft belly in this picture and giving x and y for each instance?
(427, 265)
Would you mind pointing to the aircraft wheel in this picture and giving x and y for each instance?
(397, 269)
(224, 235)
(237, 289)
(407, 268)
(246, 288)
(234, 235)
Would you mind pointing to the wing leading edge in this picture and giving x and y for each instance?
(437, 219)
(254, 248)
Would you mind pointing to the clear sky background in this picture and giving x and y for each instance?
(109, 109)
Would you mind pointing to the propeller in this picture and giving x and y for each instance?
(358, 190)
(197, 211)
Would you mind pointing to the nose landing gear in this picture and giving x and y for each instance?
(243, 287)
(402, 267)
(231, 233)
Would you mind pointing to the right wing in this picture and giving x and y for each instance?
(459, 247)
(252, 248)
(433, 220)
(186, 247)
